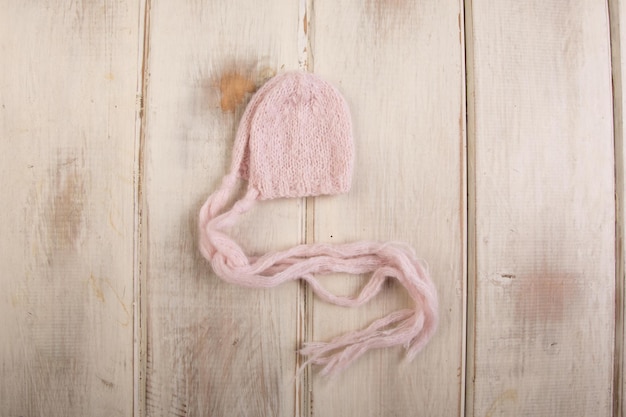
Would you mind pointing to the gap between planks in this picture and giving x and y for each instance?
(304, 326)
(470, 293)
(614, 12)
(464, 205)
(140, 223)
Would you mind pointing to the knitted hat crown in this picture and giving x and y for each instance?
(299, 139)
(295, 140)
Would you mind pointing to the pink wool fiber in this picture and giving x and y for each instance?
(295, 140)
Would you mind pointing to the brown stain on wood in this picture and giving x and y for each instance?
(386, 12)
(234, 87)
(546, 296)
(108, 384)
(97, 286)
(97, 289)
(67, 204)
(383, 6)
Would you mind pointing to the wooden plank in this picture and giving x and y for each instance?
(400, 66)
(67, 122)
(617, 13)
(541, 135)
(212, 348)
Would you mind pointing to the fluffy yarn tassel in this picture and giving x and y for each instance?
(411, 328)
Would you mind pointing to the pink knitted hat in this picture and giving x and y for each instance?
(295, 140)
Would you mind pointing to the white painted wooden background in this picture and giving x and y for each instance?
(489, 136)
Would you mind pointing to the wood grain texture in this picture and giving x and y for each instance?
(90, 301)
(541, 136)
(213, 349)
(400, 66)
(67, 123)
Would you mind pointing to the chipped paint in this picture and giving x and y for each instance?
(305, 23)
(264, 74)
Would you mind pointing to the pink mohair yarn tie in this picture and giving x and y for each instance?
(295, 140)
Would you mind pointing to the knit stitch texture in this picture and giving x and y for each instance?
(295, 140)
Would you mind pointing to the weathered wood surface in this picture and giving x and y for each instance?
(67, 150)
(117, 120)
(409, 185)
(212, 349)
(541, 135)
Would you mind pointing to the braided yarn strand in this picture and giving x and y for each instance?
(411, 328)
